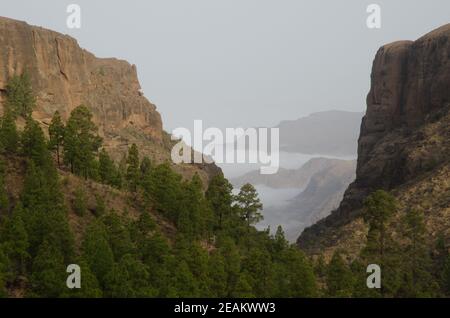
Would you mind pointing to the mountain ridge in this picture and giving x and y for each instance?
(404, 141)
(64, 75)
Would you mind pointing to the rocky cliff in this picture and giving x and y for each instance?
(404, 142)
(63, 76)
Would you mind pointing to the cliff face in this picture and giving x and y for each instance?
(64, 76)
(404, 142)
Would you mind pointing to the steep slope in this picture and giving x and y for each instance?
(323, 193)
(323, 184)
(404, 143)
(63, 76)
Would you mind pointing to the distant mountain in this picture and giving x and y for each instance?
(323, 193)
(327, 133)
(286, 178)
(321, 183)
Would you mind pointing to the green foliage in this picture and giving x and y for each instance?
(44, 212)
(108, 171)
(379, 207)
(56, 134)
(417, 278)
(339, 278)
(243, 287)
(4, 200)
(217, 275)
(118, 234)
(48, 278)
(97, 252)
(4, 264)
(145, 168)
(81, 141)
(129, 278)
(446, 276)
(34, 145)
(195, 217)
(14, 240)
(90, 287)
(133, 169)
(220, 198)
(249, 204)
(20, 99)
(9, 137)
(163, 190)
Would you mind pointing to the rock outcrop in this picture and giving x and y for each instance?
(63, 76)
(404, 139)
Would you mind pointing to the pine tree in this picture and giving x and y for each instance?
(4, 265)
(97, 252)
(280, 242)
(259, 267)
(249, 205)
(339, 278)
(56, 134)
(243, 288)
(34, 145)
(381, 248)
(183, 280)
(217, 275)
(155, 253)
(4, 200)
(129, 278)
(118, 235)
(20, 99)
(162, 189)
(9, 137)
(44, 212)
(195, 217)
(145, 168)
(133, 168)
(15, 243)
(230, 253)
(81, 141)
(297, 278)
(107, 170)
(379, 207)
(445, 280)
(417, 264)
(220, 197)
(49, 273)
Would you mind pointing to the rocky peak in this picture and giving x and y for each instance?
(64, 76)
(404, 134)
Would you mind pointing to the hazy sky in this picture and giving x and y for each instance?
(240, 62)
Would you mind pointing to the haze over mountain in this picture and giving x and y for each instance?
(329, 133)
(286, 178)
(303, 144)
(296, 198)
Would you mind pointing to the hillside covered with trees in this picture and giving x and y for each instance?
(164, 236)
